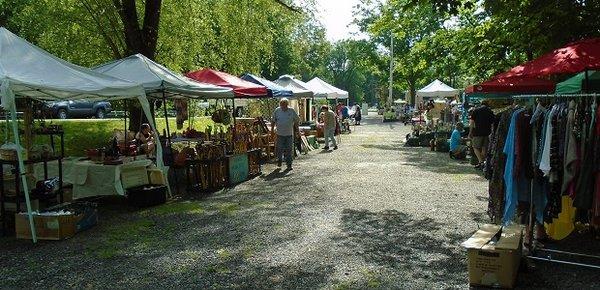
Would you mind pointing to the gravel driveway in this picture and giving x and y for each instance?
(373, 214)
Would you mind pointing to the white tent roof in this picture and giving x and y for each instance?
(29, 71)
(32, 72)
(326, 90)
(298, 87)
(156, 78)
(437, 89)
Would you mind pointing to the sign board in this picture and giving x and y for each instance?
(238, 168)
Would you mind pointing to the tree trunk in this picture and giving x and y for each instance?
(139, 39)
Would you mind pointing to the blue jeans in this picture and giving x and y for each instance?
(284, 147)
(330, 134)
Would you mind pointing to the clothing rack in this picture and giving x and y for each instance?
(531, 226)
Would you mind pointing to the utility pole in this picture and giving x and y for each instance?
(391, 90)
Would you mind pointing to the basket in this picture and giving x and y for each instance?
(8, 154)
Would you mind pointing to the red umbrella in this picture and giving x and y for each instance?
(573, 58)
(241, 88)
(512, 85)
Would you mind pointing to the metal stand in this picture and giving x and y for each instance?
(531, 245)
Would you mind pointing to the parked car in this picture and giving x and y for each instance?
(77, 109)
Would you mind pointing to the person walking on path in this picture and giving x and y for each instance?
(480, 128)
(285, 125)
(329, 122)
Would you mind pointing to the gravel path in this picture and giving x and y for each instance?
(372, 214)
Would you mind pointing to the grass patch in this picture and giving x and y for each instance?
(373, 280)
(219, 269)
(224, 254)
(139, 236)
(187, 207)
(82, 134)
(228, 208)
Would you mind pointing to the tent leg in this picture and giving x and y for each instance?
(159, 152)
(9, 101)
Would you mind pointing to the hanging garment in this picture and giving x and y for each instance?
(547, 137)
(516, 187)
(554, 196)
(496, 168)
(596, 203)
(570, 163)
(585, 184)
(523, 145)
(539, 184)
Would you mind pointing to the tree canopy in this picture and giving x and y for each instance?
(460, 42)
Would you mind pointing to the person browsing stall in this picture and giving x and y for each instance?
(480, 128)
(357, 115)
(329, 122)
(285, 126)
(145, 139)
(457, 149)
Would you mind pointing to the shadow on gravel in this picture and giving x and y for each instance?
(425, 159)
(412, 246)
(277, 173)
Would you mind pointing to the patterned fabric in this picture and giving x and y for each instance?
(496, 168)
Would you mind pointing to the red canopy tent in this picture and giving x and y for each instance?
(573, 58)
(241, 88)
(512, 85)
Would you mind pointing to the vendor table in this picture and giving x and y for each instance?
(91, 179)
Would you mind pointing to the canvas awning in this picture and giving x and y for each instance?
(322, 89)
(571, 59)
(157, 79)
(510, 86)
(26, 71)
(437, 89)
(273, 89)
(241, 88)
(577, 84)
(298, 87)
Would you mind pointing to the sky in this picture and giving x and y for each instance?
(336, 15)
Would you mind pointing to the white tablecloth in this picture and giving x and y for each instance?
(88, 178)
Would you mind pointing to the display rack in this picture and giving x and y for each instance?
(531, 246)
(19, 198)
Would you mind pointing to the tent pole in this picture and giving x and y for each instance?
(159, 150)
(164, 98)
(125, 131)
(9, 100)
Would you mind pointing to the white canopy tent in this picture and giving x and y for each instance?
(298, 87)
(324, 88)
(435, 89)
(303, 95)
(320, 91)
(27, 71)
(157, 79)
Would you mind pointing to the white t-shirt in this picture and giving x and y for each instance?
(284, 121)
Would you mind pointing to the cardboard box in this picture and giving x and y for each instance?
(55, 227)
(12, 206)
(494, 255)
(133, 176)
(156, 177)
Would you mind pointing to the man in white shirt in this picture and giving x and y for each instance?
(285, 124)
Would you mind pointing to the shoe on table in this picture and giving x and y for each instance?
(335, 148)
